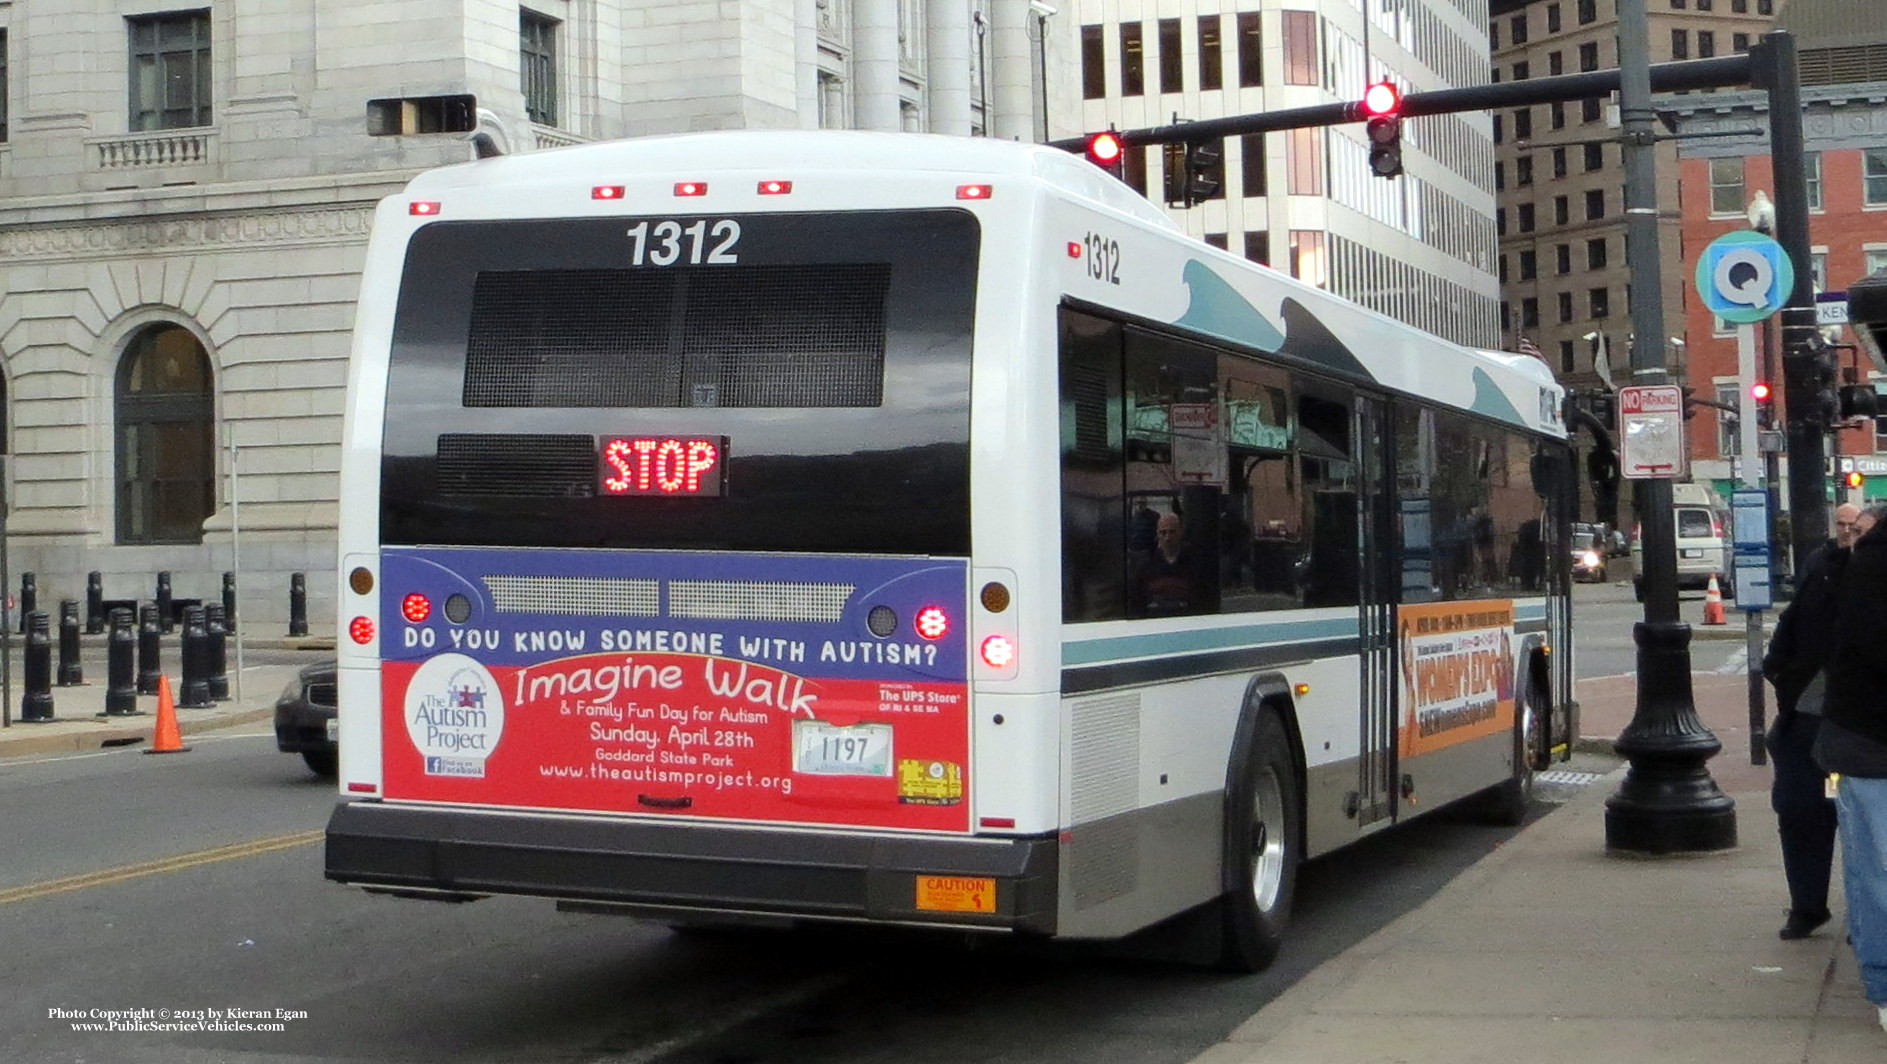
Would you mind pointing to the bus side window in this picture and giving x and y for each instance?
(1332, 562)
(1094, 541)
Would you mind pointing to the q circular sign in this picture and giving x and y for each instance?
(1744, 276)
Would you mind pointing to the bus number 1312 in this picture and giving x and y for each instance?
(663, 245)
(1103, 258)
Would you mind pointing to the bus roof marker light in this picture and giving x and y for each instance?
(1074, 249)
(691, 188)
(1302, 689)
(776, 188)
(424, 207)
(933, 622)
(979, 192)
(999, 652)
(611, 192)
(360, 630)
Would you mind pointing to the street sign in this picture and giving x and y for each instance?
(1744, 276)
(1749, 520)
(1651, 431)
(1831, 308)
(1751, 573)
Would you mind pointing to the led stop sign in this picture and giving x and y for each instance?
(661, 465)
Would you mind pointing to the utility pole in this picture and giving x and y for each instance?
(1667, 802)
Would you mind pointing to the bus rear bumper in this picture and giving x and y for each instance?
(687, 868)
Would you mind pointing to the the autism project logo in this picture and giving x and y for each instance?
(454, 715)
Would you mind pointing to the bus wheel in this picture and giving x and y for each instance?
(1262, 849)
(1505, 804)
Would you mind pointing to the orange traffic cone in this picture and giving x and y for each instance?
(1713, 602)
(168, 738)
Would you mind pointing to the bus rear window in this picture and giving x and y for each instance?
(803, 388)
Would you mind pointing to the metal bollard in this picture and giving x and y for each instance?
(298, 604)
(229, 603)
(121, 690)
(165, 615)
(216, 653)
(94, 602)
(29, 596)
(71, 672)
(36, 704)
(196, 639)
(150, 649)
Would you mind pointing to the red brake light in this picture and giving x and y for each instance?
(999, 652)
(423, 207)
(416, 607)
(607, 192)
(933, 622)
(775, 188)
(691, 188)
(361, 630)
(975, 191)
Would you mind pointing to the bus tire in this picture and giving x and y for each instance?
(1505, 804)
(1262, 847)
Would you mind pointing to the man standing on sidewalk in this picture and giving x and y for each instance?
(1853, 742)
(1805, 818)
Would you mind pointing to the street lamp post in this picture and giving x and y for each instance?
(1667, 802)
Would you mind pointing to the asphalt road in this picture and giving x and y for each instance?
(1603, 616)
(193, 882)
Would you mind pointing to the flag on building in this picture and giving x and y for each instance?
(1528, 347)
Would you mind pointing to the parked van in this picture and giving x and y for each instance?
(1703, 546)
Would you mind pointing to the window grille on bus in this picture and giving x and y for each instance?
(693, 336)
(737, 600)
(531, 464)
(588, 596)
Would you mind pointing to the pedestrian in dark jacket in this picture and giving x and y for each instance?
(1805, 817)
(1853, 742)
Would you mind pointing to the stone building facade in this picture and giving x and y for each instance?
(185, 194)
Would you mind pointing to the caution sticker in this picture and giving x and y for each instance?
(956, 894)
(929, 782)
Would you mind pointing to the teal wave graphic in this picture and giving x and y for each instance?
(1490, 400)
(1217, 308)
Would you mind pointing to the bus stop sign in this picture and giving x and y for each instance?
(1651, 431)
(1744, 277)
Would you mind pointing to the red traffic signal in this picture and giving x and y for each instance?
(1760, 391)
(1106, 150)
(1382, 98)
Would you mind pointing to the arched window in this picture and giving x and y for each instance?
(166, 455)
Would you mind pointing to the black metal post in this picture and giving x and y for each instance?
(298, 604)
(1807, 369)
(36, 703)
(195, 693)
(165, 616)
(121, 691)
(150, 649)
(229, 602)
(71, 672)
(215, 652)
(29, 596)
(1667, 802)
(94, 602)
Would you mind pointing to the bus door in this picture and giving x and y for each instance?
(1378, 583)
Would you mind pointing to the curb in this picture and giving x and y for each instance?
(132, 731)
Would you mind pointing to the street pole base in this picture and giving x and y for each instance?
(1699, 825)
(1667, 803)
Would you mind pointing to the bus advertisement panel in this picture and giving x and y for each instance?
(680, 684)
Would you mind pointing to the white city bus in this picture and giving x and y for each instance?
(913, 530)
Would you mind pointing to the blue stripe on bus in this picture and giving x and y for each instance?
(1155, 644)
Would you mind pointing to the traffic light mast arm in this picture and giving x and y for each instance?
(1719, 72)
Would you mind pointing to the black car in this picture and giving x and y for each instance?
(305, 718)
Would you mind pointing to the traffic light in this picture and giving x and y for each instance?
(1858, 400)
(1824, 400)
(1855, 479)
(1690, 404)
(1764, 398)
(1205, 171)
(1107, 151)
(1383, 103)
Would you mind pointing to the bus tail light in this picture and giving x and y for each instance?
(999, 652)
(933, 622)
(995, 626)
(416, 607)
(360, 629)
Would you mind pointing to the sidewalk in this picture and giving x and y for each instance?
(79, 723)
(1550, 950)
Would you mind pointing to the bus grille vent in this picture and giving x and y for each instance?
(1104, 858)
(517, 464)
(725, 600)
(589, 596)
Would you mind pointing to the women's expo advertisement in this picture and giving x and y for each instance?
(804, 720)
(1457, 673)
